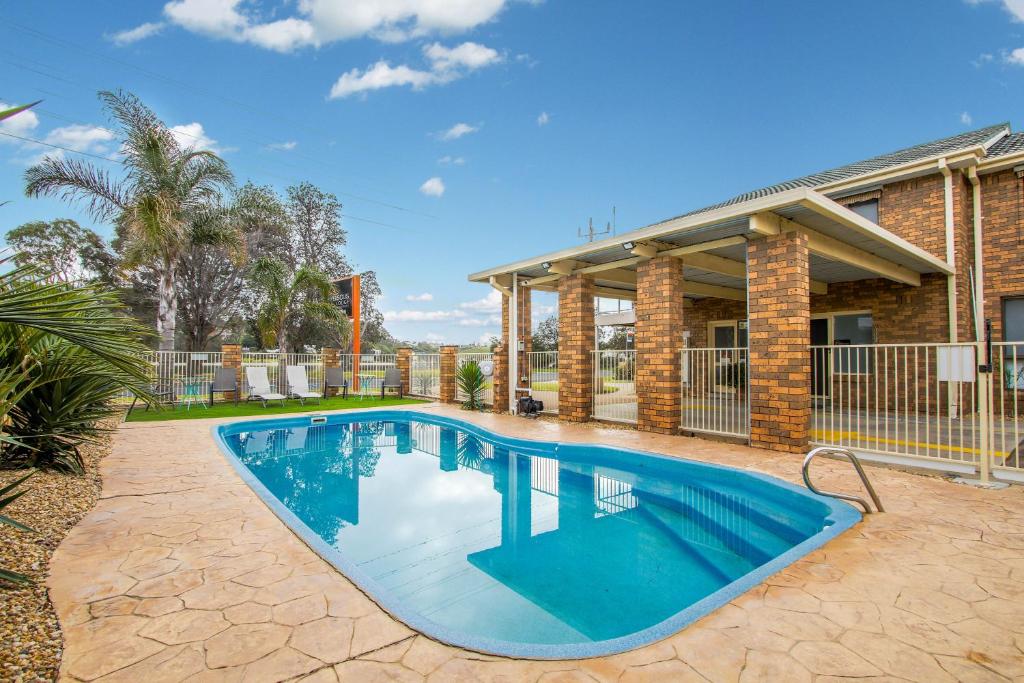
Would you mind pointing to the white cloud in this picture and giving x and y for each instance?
(409, 316)
(445, 65)
(21, 124)
(485, 338)
(457, 131)
(480, 322)
(468, 55)
(425, 296)
(380, 75)
(193, 135)
(1016, 57)
(432, 187)
(489, 304)
(447, 160)
(81, 138)
(1015, 8)
(543, 118)
(133, 35)
(320, 22)
(283, 146)
(433, 337)
(966, 118)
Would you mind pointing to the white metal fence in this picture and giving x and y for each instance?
(182, 373)
(365, 372)
(715, 391)
(542, 369)
(614, 386)
(925, 401)
(425, 374)
(486, 361)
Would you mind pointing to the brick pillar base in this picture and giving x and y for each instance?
(501, 378)
(780, 327)
(404, 362)
(449, 361)
(232, 358)
(575, 348)
(332, 359)
(659, 338)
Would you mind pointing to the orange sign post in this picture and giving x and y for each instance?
(348, 290)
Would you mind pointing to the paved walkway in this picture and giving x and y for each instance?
(181, 573)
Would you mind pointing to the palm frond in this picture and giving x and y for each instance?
(8, 113)
(74, 180)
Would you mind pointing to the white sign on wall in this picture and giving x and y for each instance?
(956, 363)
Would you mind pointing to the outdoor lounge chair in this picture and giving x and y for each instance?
(392, 380)
(298, 384)
(334, 378)
(259, 386)
(162, 395)
(224, 380)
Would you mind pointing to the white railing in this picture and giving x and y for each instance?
(715, 391)
(486, 360)
(918, 400)
(182, 373)
(614, 386)
(425, 374)
(1007, 394)
(368, 368)
(542, 369)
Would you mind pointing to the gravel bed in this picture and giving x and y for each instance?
(30, 637)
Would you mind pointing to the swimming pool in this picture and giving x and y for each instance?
(525, 548)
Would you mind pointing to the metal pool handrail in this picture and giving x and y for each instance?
(842, 496)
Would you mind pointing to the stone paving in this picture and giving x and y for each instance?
(181, 573)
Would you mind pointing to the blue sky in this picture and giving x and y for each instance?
(481, 131)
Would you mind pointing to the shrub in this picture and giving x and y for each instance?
(6, 498)
(471, 381)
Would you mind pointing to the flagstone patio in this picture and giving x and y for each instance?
(180, 572)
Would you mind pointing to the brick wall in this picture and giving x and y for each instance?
(1002, 202)
(232, 358)
(332, 359)
(403, 359)
(704, 311)
(449, 363)
(525, 325)
(500, 358)
(778, 291)
(659, 335)
(575, 348)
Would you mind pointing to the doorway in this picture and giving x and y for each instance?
(821, 359)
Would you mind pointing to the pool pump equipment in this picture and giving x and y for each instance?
(529, 407)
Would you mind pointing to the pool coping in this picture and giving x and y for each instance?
(843, 516)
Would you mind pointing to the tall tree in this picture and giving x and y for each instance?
(317, 235)
(163, 203)
(546, 336)
(212, 277)
(64, 249)
(288, 294)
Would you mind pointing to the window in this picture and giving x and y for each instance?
(1013, 330)
(868, 209)
(853, 329)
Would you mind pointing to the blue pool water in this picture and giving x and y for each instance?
(520, 547)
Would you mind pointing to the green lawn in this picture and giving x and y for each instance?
(244, 409)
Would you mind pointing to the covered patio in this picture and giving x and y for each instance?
(760, 261)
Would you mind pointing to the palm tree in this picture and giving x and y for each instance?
(167, 200)
(307, 292)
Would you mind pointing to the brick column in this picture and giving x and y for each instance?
(332, 359)
(778, 295)
(575, 348)
(404, 362)
(449, 361)
(501, 377)
(659, 338)
(232, 358)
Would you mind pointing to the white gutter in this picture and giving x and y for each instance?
(979, 254)
(947, 176)
(513, 352)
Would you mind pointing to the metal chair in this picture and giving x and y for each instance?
(334, 378)
(224, 380)
(392, 380)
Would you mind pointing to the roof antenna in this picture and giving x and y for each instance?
(591, 234)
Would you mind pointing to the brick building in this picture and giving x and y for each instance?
(913, 247)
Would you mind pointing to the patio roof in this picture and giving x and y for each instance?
(844, 246)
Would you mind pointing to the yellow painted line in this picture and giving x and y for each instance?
(833, 436)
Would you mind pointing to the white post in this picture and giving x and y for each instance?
(984, 417)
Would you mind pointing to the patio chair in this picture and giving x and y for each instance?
(334, 378)
(298, 384)
(392, 380)
(224, 380)
(259, 386)
(163, 395)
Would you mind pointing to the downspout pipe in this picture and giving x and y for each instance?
(979, 254)
(947, 175)
(513, 351)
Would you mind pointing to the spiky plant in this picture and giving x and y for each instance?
(471, 381)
